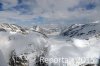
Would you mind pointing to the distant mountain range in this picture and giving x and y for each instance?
(76, 30)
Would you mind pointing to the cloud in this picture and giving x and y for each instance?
(54, 11)
(86, 5)
(80, 43)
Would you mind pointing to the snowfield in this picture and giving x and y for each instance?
(76, 43)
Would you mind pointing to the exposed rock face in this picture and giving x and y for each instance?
(17, 61)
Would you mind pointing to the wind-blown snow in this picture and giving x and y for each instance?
(77, 48)
(21, 44)
(2, 60)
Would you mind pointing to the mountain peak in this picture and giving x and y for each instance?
(82, 30)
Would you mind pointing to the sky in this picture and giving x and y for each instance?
(29, 12)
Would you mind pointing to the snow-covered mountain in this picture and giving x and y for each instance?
(49, 41)
(47, 29)
(83, 31)
(11, 28)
